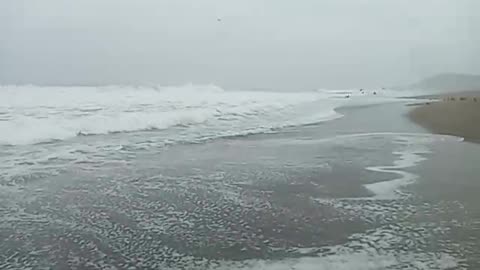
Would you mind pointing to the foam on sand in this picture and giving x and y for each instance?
(361, 261)
(388, 190)
(412, 149)
(390, 246)
(373, 250)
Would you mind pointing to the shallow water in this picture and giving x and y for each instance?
(355, 192)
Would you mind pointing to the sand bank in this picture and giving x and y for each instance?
(453, 115)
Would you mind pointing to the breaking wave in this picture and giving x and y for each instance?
(34, 114)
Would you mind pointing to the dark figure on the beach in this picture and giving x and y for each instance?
(347, 96)
(374, 93)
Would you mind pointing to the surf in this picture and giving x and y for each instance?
(36, 114)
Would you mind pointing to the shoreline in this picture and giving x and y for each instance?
(446, 95)
(457, 115)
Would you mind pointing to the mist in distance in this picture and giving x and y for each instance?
(249, 44)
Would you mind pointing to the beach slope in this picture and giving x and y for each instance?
(453, 116)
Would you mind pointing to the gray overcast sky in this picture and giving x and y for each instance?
(276, 44)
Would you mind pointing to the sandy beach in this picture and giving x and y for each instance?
(454, 115)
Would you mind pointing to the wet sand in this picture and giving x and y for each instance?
(446, 95)
(453, 115)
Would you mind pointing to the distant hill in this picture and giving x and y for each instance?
(450, 82)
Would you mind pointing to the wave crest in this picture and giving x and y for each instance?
(33, 114)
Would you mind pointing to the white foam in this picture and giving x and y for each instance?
(357, 261)
(387, 190)
(31, 114)
(337, 262)
(419, 137)
(411, 150)
(372, 250)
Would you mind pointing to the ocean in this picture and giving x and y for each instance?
(198, 177)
